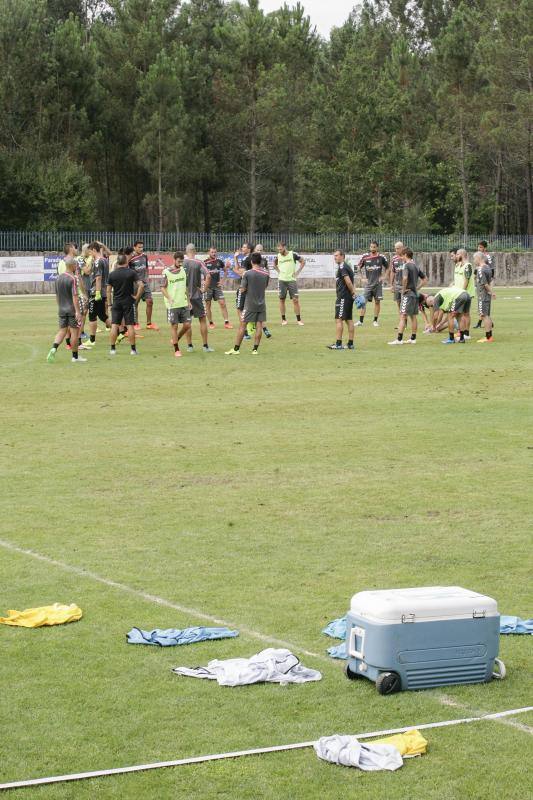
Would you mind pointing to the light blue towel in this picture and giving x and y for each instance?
(339, 651)
(515, 625)
(173, 636)
(336, 629)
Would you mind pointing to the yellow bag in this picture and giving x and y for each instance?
(410, 743)
(56, 614)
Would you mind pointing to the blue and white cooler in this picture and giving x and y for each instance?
(421, 638)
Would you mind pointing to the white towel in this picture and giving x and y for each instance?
(268, 666)
(349, 752)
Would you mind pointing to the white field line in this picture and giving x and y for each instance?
(78, 776)
(452, 703)
(160, 601)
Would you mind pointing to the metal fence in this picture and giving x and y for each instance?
(53, 241)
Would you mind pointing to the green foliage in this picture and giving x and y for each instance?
(216, 116)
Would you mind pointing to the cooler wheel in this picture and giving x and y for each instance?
(350, 674)
(388, 683)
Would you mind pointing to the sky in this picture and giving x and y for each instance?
(325, 14)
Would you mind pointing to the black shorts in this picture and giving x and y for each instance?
(120, 311)
(239, 300)
(197, 308)
(344, 308)
(461, 304)
(97, 310)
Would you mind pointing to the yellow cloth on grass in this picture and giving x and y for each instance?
(56, 614)
(410, 743)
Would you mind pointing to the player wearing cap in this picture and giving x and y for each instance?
(285, 266)
(253, 286)
(217, 271)
(174, 289)
(344, 300)
(373, 267)
(68, 311)
(456, 303)
(484, 273)
(412, 279)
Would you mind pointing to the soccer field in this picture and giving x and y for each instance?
(264, 492)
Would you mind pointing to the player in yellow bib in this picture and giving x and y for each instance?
(285, 266)
(176, 296)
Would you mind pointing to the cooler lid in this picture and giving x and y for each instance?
(423, 603)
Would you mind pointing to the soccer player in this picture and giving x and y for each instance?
(196, 272)
(372, 266)
(68, 311)
(264, 262)
(174, 289)
(484, 273)
(456, 303)
(345, 296)
(463, 278)
(253, 286)
(123, 290)
(240, 268)
(396, 267)
(285, 266)
(412, 280)
(217, 271)
(482, 248)
(139, 262)
(98, 307)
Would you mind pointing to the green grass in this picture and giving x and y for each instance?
(264, 491)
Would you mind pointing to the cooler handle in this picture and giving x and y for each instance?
(352, 651)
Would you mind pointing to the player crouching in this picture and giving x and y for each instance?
(456, 303)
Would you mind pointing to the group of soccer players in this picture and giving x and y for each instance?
(85, 285)
(449, 308)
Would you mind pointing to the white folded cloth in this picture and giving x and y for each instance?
(349, 752)
(269, 666)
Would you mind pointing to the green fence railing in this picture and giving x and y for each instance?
(53, 241)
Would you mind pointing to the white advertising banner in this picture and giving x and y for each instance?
(18, 269)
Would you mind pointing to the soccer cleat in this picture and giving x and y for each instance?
(375, 324)
(410, 341)
(448, 341)
(350, 347)
(190, 348)
(177, 354)
(467, 338)
(51, 357)
(83, 347)
(460, 341)
(207, 349)
(152, 326)
(335, 347)
(300, 323)
(228, 326)
(247, 336)
(211, 325)
(267, 333)
(83, 337)
(396, 341)
(134, 353)
(232, 352)
(78, 359)
(485, 340)
(88, 344)
(112, 352)
(284, 322)
(358, 324)
(478, 325)
(137, 327)
(255, 352)
(68, 346)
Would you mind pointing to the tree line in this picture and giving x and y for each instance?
(415, 115)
